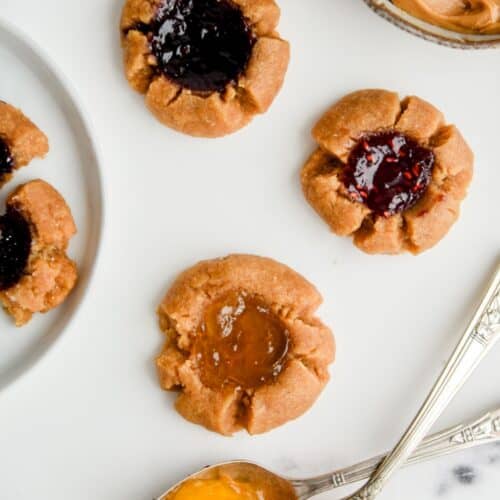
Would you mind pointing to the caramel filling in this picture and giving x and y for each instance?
(210, 489)
(241, 342)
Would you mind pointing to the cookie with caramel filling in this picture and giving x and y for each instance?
(390, 173)
(244, 348)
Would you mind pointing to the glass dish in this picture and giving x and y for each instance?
(406, 22)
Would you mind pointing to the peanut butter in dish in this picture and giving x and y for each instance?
(236, 481)
(464, 16)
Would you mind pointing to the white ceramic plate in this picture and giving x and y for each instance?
(30, 82)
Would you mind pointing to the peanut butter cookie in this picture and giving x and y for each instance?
(207, 67)
(390, 173)
(243, 345)
(20, 141)
(35, 273)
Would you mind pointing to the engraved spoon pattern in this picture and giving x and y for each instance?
(481, 431)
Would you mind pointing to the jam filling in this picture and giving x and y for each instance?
(388, 171)
(6, 160)
(15, 247)
(241, 343)
(203, 45)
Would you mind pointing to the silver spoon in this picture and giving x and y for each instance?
(479, 432)
(480, 336)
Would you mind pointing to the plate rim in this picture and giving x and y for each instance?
(34, 360)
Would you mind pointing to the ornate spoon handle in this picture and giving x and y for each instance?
(484, 430)
(480, 336)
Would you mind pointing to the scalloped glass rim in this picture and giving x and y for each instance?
(387, 10)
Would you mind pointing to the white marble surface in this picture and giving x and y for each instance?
(90, 422)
